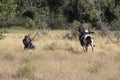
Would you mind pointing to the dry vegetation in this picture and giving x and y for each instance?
(56, 58)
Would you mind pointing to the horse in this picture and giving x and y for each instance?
(88, 40)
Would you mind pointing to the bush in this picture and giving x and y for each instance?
(115, 25)
(52, 46)
(1, 34)
(58, 22)
(95, 68)
(8, 57)
(26, 23)
(25, 71)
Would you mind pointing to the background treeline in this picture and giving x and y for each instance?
(59, 14)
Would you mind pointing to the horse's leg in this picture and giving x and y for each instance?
(86, 48)
(92, 46)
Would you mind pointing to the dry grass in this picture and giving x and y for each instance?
(56, 58)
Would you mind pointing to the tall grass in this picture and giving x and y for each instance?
(54, 58)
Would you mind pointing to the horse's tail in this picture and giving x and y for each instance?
(89, 39)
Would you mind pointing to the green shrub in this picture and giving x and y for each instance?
(8, 57)
(115, 25)
(26, 60)
(25, 71)
(1, 34)
(95, 67)
(52, 46)
(117, 57)
(57, 22)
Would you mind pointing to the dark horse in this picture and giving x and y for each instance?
(88, 40)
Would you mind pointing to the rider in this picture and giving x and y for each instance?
(28, 43)
(83, 30)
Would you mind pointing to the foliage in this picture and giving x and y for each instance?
(58, 22)
(95, 68)
(1, 33)
(33, 13)
(7, 15)
(52, 46)
(25, 71)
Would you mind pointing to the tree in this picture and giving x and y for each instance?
(71, 10)
(7, 8)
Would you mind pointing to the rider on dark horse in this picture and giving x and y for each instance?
(83, 30)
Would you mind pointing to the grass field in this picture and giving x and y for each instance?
(56, 58)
